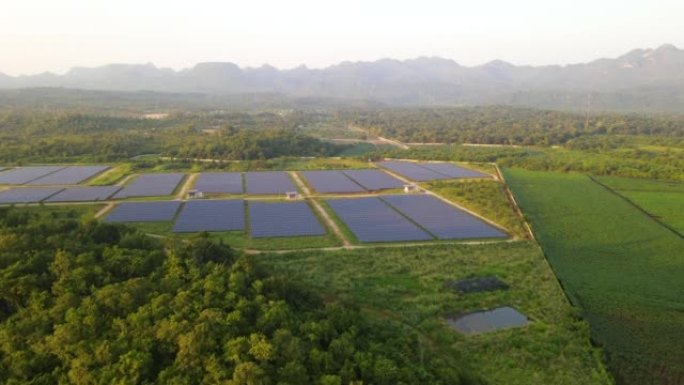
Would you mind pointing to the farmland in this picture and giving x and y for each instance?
(621, 268)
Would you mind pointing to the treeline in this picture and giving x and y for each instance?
(505, 125)
(85, 302)
(34, 136)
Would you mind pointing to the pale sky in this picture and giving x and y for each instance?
(55, 35)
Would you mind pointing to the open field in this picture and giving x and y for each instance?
(664, 200)
(407, 285)
(623, 269)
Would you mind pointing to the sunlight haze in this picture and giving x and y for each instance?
(42, 35)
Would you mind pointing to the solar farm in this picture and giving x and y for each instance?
(351, 206)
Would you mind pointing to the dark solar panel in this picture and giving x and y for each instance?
(143, 211)
(84, 194)
(70, 175)
(28, 194)
(442, 219)
(453, 171)
(374, 179)
(331, 182)
(269, 182)
(23, 175)
(413, 171)
(150, 185)
(211, 215)
(371, 220)
(283, 220)
(220, 182)
(488, 320)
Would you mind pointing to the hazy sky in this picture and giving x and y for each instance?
(55, 35)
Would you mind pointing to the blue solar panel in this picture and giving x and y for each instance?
(372, 220)
(269, 182)
(283, 220)
(70, 175)
(84, 194)
(413, 171)
(211, 215)
(453, 171)
(28, 194)
(220, 182)
(143, 211)
(150, 185)
(442, 219)
(23, 175)
(374, 179)
(331, 182)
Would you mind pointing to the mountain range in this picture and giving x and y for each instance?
(640, 80)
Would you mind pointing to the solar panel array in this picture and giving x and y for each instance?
(84, 194)
(422, 172)
(27, 194)
(70, 175)
(331, 182)
(150, 185)
(489, 320)
(211, 215)
(283, 220)
(23, 175)
(453, 171)
(441, 219)
(374, 179)
(269, 182)
(220, 183)
(413, 171)
(372, 220)
(143, 211)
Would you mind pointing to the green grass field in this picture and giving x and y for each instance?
(407, 285)
(664, 200)
(623, 269)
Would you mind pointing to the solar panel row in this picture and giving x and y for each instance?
(373, 180)
(84, 194)
(413, 171)
(283, 220)
(331, 182)
(69, 175)
(23, 175)
(441, 219)
(143, 211)
(27, 194)
(149, 185)
(211, 215)
(372, 220)
(269, 183)
(453, 171)
(220, 182)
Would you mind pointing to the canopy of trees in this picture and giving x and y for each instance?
(90, 303)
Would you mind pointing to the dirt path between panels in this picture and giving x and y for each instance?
(321, 211)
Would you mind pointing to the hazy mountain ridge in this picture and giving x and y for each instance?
(648, 79)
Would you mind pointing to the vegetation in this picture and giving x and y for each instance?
(83, 303)
(407, 285)
(620, 267)
(663, 200)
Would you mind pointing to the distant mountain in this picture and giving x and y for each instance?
(641, 80)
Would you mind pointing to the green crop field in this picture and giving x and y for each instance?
(406, 284)
(664, 200)
(622, 268)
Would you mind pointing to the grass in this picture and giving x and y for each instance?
(112, 176)
(82, 211)
(358, 149)
(407, 285)
(623, 269)
(663, 200)
(486, 197)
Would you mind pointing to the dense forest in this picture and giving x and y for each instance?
(505, 125)
(83, 302)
